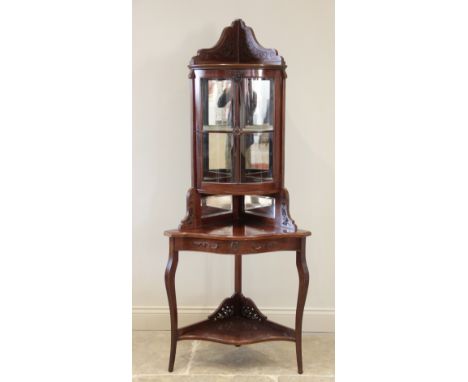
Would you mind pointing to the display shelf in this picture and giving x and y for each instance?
(258, 128)
(217, 128)
(237, 330)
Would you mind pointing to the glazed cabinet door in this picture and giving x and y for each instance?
(236, 133)
(219, 114)
(257, 130)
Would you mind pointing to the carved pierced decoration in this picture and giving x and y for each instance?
(238, 45)
(237, 305)
(250, 313)
(226, 311)
(249, 310)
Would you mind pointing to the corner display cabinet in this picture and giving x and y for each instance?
(237, 204)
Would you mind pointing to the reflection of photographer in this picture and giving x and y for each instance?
(225, 100)
(250, 102)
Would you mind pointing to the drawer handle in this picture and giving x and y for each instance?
(258, 247)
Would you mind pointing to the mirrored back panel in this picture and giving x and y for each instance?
(214, 205)
(259, 205)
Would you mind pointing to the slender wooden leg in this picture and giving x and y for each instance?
(303, 272)
(238, 274)
(171, 296)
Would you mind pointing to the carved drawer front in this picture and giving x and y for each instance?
(205, 245)
(258, 246)
(237, 246)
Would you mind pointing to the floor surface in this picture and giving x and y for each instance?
(202, 361)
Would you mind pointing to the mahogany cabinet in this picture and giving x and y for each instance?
(237, 204)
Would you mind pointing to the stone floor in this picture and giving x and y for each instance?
(201, 361)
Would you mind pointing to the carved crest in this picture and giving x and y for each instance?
(237, 45)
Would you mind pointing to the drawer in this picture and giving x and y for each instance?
(237, 246)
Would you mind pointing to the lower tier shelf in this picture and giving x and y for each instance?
(236, 330)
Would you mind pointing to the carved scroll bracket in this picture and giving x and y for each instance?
(193, 199)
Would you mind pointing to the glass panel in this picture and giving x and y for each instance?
(258, 101)
(257, 157)
(218, 100)
(216, 205)
(217, 157)
(259, 205)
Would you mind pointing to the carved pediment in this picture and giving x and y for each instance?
(237, 45)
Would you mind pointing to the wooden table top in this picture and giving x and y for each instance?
(238, 232)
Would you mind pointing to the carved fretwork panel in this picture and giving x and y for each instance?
(225, 311)
(249, 310)
(237, 305)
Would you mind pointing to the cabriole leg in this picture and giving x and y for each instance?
(303, 272)
(171, 296)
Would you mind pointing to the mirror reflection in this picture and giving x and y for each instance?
(214, 205)
(217, 157)
(258, 104)
(218, 104)
(257, 154)
(260, 205)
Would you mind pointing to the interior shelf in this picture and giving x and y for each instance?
(229, 129)
(236, 330)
